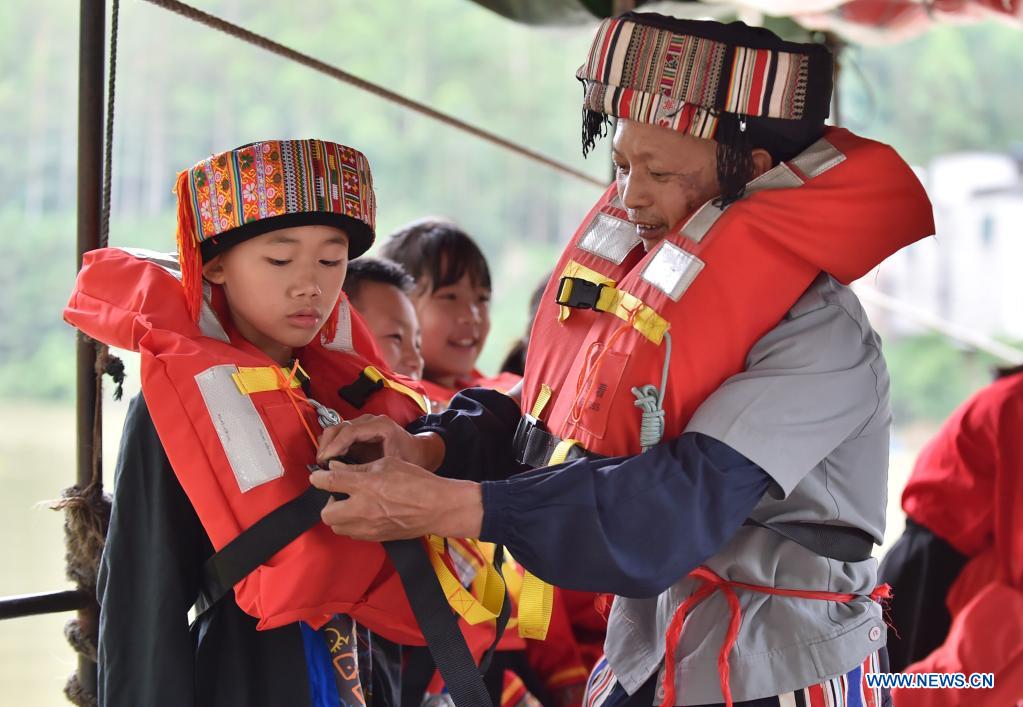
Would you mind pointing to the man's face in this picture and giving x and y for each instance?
(391, 317)
(663, 176)
(281, 286)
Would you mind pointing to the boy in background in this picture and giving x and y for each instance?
(379, 290)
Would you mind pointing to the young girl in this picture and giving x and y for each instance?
(452, 299)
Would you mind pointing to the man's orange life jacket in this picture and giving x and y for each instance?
(627, 344)
(673, 323)
(239, 431)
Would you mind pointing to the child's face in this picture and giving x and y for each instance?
(390, 316)
(281, 286)
(455, 321)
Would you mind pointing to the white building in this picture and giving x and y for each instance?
(971, 272)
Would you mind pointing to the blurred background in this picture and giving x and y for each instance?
(945, 94)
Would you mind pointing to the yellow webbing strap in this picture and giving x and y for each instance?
(541, 400)
(536, 599)
(536, 602)
(260, 379)
(623, 305)
(491, 592)
(574, 269)
(374, 375)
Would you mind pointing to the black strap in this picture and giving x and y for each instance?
(502, 618)
(436, 620)
(268, 536)
(533, 445)
(438, 623)
(837, 542)
(583, 294)
(358, 391)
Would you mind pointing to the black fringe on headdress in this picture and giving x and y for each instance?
(595, 126)
(734, 159)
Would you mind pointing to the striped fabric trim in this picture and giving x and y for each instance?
(653, 75)
(849, 690)
(600, 685)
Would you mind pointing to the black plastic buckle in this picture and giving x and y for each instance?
(584, 294)
(358, 391)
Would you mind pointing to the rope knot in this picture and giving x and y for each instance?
(651, 426)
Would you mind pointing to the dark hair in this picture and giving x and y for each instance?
(737, 138)
(386, 272)
(437, 251)
(515, 359)
(1005, 372)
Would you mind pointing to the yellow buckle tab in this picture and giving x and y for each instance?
(259, 379)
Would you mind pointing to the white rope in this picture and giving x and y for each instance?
(650, 401)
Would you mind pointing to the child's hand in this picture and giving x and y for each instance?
(373, 436)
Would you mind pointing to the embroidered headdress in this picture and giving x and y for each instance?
(264, 186)
(705, 79)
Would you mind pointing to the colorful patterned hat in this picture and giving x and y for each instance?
(700, 78)
(264, 186)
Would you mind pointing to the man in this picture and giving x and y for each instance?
(715, 395)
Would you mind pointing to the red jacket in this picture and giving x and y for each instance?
(967, 488)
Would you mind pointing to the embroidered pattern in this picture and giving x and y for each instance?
(278, 177)
(653, 75)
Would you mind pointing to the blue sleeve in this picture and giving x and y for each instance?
(477, 429)
(630, 526)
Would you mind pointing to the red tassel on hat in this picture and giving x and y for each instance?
(188, 247)
(329, 329)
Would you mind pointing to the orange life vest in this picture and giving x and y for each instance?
(715, 285)
(441, 395)
(627, 344)
(237, 433)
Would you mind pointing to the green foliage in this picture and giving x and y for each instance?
(184, 92)
(954, 88)
(931, 377)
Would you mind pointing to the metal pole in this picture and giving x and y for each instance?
(47, 603)
(92, 33)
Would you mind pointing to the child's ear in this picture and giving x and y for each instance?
(213, 270)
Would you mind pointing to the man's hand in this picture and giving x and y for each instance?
(373, 436)
(391, 499)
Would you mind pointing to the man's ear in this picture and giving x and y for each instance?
(213, 270)
(762, 161)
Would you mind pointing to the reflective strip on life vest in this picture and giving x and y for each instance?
(249, 448)
(491, 591)
(672, 270)
(818, 158)
(610, 238)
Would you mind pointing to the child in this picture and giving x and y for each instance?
(245, 341)
(452, 299)
(379, 290)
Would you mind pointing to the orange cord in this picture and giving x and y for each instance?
(294, 401)
(588, 374)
